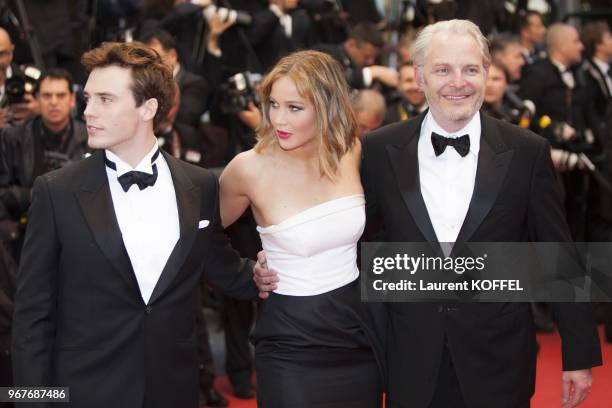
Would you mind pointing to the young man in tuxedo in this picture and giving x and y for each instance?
(114, 250)
(451, 175)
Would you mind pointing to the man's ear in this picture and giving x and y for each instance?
(149, 109)
(351, 44)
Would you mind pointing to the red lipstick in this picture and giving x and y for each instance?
(283, 135)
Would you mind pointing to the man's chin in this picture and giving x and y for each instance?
(461, 114)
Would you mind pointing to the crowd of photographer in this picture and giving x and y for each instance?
(551, 77)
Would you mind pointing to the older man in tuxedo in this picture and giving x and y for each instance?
(114, 250)
(455, 175)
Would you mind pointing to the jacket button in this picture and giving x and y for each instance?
(148, 310)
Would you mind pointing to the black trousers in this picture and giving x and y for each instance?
(448, 392)
(238, 316)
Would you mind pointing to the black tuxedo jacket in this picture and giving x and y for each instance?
(80, 320)
(597, 90)
(194, 97)
(268, 38)
(492, 345)
(601, 97)
(354, 74)
(543, 84)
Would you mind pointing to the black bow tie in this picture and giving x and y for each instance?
(141, 179)
(461, 144)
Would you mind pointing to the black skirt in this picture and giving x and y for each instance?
(316, 352)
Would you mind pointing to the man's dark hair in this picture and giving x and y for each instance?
(592, 35)
(501, 41)
(151, 78)
(496, 63)
(524, 19)
(166, 39)
(406, 64)
(367, 33)
(56, 73)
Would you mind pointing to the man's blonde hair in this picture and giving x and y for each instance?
(320, 79)
(421, 44)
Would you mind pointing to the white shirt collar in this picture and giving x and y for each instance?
(145, 164)
(562, 68)
(276, 10)
(472, 129)
(604, 66)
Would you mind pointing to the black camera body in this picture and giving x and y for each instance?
(21, 83)
(239, 91)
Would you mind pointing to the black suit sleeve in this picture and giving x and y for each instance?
(35, 315)
(367, 180)
(580, 342)
(224, 268)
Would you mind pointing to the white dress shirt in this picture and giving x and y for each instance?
(285, 20)
(148, 219)
(566, 74)
(447, 181)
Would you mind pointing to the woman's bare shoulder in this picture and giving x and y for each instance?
(244, 164)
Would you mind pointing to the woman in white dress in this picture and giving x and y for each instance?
(312, 345)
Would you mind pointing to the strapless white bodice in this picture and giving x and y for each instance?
(315, 251)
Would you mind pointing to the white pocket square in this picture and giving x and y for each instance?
(203, 224)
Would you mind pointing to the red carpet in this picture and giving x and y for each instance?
(548, 387)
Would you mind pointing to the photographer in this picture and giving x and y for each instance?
(532, 33)
(178, 139)
(358, 55)
(277, 30)
(565, 116)
(500, 102)
(194, 88)
(597, 41)
(408, 100)
(17, 105)
(46, 142)
(506, 49)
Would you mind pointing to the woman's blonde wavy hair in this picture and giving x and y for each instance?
(320, 79)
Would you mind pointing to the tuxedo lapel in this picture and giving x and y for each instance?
(599, 76)
(493, 163)
(188, 204)
(96, 203)
(405, 163)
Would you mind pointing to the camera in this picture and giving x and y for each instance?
(239, 91)
(21, 83)
(226, 14)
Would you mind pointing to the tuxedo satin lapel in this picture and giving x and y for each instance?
(97, 206)
(493, 162)
(188, 204)
(404, 161)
